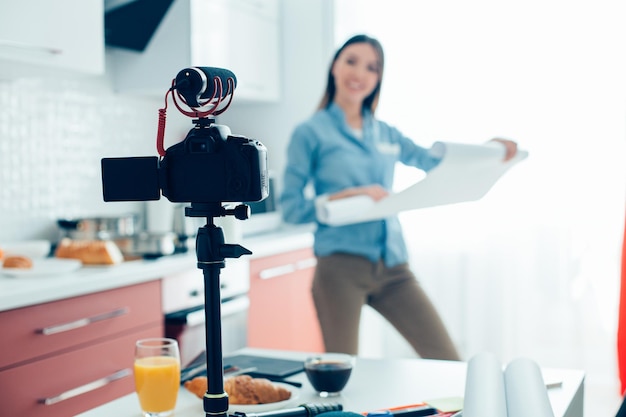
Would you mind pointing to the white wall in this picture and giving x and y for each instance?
(55, 126)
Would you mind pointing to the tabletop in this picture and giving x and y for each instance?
(380, 384)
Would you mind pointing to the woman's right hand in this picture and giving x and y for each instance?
(374, 191)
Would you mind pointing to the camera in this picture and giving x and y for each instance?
(210, 165)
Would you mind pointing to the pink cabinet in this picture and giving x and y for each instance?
(282, 314)
(64, 357)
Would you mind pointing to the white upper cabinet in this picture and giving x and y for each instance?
(243, 36)
(66, 34)
(240, 35)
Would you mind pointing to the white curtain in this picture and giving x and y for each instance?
(533, 268)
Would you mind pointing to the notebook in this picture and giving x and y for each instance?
(271, 368)
(266, 367)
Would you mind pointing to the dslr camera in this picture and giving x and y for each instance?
(210, 165)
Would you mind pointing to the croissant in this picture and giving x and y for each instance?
(198, 385)
(243, 389)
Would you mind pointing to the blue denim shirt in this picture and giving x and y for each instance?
(325, 152)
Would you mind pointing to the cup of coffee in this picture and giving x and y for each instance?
(329, 373)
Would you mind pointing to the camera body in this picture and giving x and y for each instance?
(209, 165)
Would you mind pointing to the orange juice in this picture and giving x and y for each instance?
(157, 380)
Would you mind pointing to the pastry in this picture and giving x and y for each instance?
(90, 252)
(198, 385)
(21, 262)
(243, 389)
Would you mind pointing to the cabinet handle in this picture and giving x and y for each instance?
(83, 389)
(278, 271)
(31, 47)
(306, 263)
(64, 327)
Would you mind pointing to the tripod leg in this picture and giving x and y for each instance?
(215, 399)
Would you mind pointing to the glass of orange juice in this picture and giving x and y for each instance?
(157, 375)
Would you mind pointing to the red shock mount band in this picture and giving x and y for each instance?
(212, 107)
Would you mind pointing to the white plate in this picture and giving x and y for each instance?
(258, 408)
(44, 267)
(31, 248)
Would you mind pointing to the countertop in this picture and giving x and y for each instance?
(16, 292)
(379, 384)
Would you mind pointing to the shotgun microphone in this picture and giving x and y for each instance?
(197, 83)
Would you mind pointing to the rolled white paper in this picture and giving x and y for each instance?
(466, 173)
(519, 391)
(526, 392)
(343, 210)
(484, 388)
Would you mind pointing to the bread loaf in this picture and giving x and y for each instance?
(21, 262)
(90, 252)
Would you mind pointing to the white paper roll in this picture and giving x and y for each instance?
(526, 393)
(466, 173)
(343, 210)
(519, 391)
(484, 388)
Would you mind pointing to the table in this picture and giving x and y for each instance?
(378, 384)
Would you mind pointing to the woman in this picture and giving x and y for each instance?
(343, 151)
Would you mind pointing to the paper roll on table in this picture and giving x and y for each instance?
(519, 391)
(485, 395)
(466, 173)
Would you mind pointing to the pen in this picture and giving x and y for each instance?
(407, 407)
(405, 411)
(555, 384)
(278, 379)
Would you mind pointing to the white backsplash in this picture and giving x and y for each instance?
(54, 129)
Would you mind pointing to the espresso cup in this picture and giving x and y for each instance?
(329, 373)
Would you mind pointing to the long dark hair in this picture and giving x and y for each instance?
(371, 101)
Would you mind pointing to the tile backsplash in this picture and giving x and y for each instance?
(54, 129)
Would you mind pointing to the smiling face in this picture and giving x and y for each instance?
(357, 73)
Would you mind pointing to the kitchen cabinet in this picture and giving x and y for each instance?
(66, 34)
(240, 35)
(64, 357)
(282, 314)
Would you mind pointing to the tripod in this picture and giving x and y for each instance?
(211, 252)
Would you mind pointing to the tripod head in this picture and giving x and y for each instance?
(210, 245)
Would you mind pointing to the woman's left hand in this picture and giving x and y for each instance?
(510, 147)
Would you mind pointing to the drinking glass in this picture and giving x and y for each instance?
(329, 373)
(157, 375)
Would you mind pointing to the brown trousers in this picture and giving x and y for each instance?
(343, 283)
